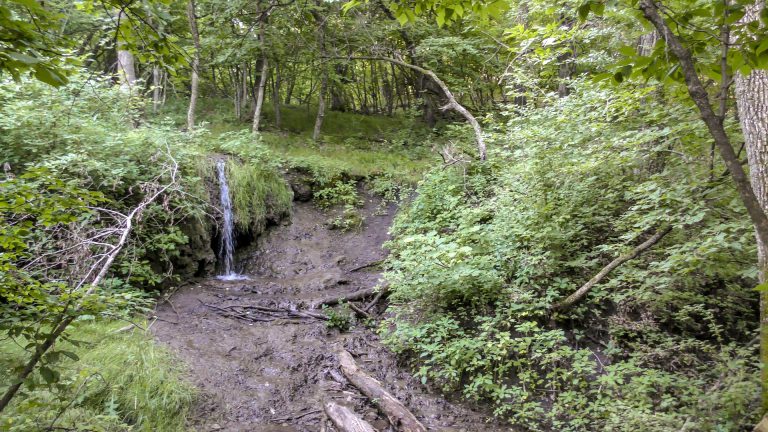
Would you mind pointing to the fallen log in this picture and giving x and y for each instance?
(345, 420)
(398, 415)
(342, 298)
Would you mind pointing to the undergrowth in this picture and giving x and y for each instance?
(109, 381)
(484, 251)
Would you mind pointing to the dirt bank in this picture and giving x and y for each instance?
(273, 376)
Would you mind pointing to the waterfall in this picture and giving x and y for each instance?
(227, 251)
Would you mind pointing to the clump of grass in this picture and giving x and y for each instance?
(258, 194)
(121, 381)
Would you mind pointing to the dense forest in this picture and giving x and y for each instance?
(384, 215)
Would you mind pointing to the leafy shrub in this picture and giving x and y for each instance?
(485, 250)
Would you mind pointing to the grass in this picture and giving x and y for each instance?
(354, 145)
(121, 381)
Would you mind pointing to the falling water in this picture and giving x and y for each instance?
(227, 252)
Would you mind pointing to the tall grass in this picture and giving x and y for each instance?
(257, 194)
(121, 382)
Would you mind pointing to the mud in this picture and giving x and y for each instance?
(273, 376)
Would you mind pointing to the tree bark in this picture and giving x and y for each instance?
(398, 415)
(126, 69)
(157, 87)
(193, 91)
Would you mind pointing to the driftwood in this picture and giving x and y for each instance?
(357, 295)
(398, 415)
(582, 292)
(345, 420)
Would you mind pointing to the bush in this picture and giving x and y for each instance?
(484, 251)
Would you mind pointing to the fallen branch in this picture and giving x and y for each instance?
(581, 292)
(359, 311)
(452, 104)
(345, 420)
(242, 312)
(398, 415)
(364, 266)
(357, 295)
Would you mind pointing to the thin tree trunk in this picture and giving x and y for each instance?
(320, 107)
(276, 97)
(195, 65)
(260, 95)
(125, 63)
(714, 124)
(157, 86)
(324, 80)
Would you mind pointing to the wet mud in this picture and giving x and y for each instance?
(273, 375)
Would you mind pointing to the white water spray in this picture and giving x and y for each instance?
(227, 251)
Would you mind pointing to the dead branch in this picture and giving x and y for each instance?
(262, 314)
(581, 292)
(357, 295)
(345, 420)
(359, 311)
(452, 104)
(364, 266)
(99, 269)
(396, 412)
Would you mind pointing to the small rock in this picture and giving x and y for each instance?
(302, 192)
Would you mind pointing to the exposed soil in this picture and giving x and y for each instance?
(273, 376)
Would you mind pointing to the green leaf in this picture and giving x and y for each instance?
(49, 375)
(49, 76)
(23, 58)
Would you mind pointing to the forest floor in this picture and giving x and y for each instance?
(274, 375)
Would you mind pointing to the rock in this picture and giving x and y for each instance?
(302, 192)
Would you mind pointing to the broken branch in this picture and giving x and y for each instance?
(582, 292)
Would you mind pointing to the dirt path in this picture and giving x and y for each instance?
(272, 376)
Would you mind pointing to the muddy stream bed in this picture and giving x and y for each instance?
(274, 375)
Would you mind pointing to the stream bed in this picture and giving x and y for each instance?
(274, 375)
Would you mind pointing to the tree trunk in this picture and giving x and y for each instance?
(193, 91)
(752, 105)
(276, 97)
(755, 114)
(125, 62)
(157, 85)
(324, 80)
(320, 108)
(345, 420)
(260, 95)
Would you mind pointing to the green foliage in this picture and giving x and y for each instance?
(107, 381)
(484, 251)
(258, 191)
(340, 318)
